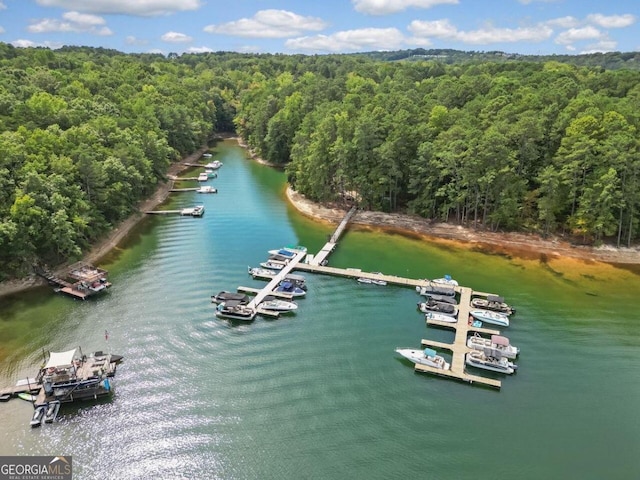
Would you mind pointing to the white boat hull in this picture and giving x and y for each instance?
(478, 360)
(418, 356)
(480, 343)
(488, 316)
(440, 317)
(279, 306)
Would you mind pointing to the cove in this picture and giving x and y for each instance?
(322, 394)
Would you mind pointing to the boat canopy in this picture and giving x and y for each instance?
(499, 340)
(63, 359)
(428, 352)
(495, 298)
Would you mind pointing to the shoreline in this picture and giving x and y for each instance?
(119, 232)
(507, 244)
(527, 246)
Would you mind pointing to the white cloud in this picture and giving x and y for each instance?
(131, 40)
(350, 40)
(445, 29)
(156, 50)
(563, 22)
(384, 7)
(269, 24)
(1, 30)
(73, 22)
(576, 34)
(611, 21)
(2, 6)
(606, 45)
(527, 2)
(199, 49)
(143, 8)
(175, 37)
(28, 43)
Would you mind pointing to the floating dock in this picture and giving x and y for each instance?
(317, 264)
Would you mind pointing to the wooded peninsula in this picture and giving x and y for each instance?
(492, 142)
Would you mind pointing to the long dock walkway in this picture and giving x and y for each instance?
(322, 255)
(273, 284)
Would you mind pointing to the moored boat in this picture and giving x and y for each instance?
(38, 416)
(439, 307)
(271, 303)
(207, 155)
(488, 316)
(234, 310)
(373, 281)
(290, 288)
(72, 376)
(497, 345)
(207, 189)
(52, 411)
(428, 357)
(478, 359)
(441, 298)
(446, 280)
(216, 164)
(440, 317)
(273, 265)
(494, 303)
(283, 252)
(259, 272)
(437, 289)
(210, 173)
(225, 296)
(196, 211)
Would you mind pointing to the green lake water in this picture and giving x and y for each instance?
(321, 394)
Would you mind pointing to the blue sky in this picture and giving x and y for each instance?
(325, 26)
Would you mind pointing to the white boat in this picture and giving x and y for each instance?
(196, 211)
(373, 281)
(273, 265)
(426, 357)
(496, 345)
(216, 164)
(488, 316)
(278, 305)
(235, 310)
(446, 280)
(206, 189)
(207, 155)
(283, 252)
(210, 173)
(440, 317)
(479, 360)
(203, 177)
(259, 272)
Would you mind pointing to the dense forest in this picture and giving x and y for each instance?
(539, 145)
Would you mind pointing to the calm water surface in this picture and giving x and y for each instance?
(322, 394)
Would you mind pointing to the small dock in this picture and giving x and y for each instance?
(175, 190)
(275, 281)
(459, 346)
(322, 255)
(163, 212)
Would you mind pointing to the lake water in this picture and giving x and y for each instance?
(322, 394)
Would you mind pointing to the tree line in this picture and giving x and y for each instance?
(542, 146)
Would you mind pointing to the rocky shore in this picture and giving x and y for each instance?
(512, 244)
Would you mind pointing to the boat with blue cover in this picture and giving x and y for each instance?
(290, 288)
